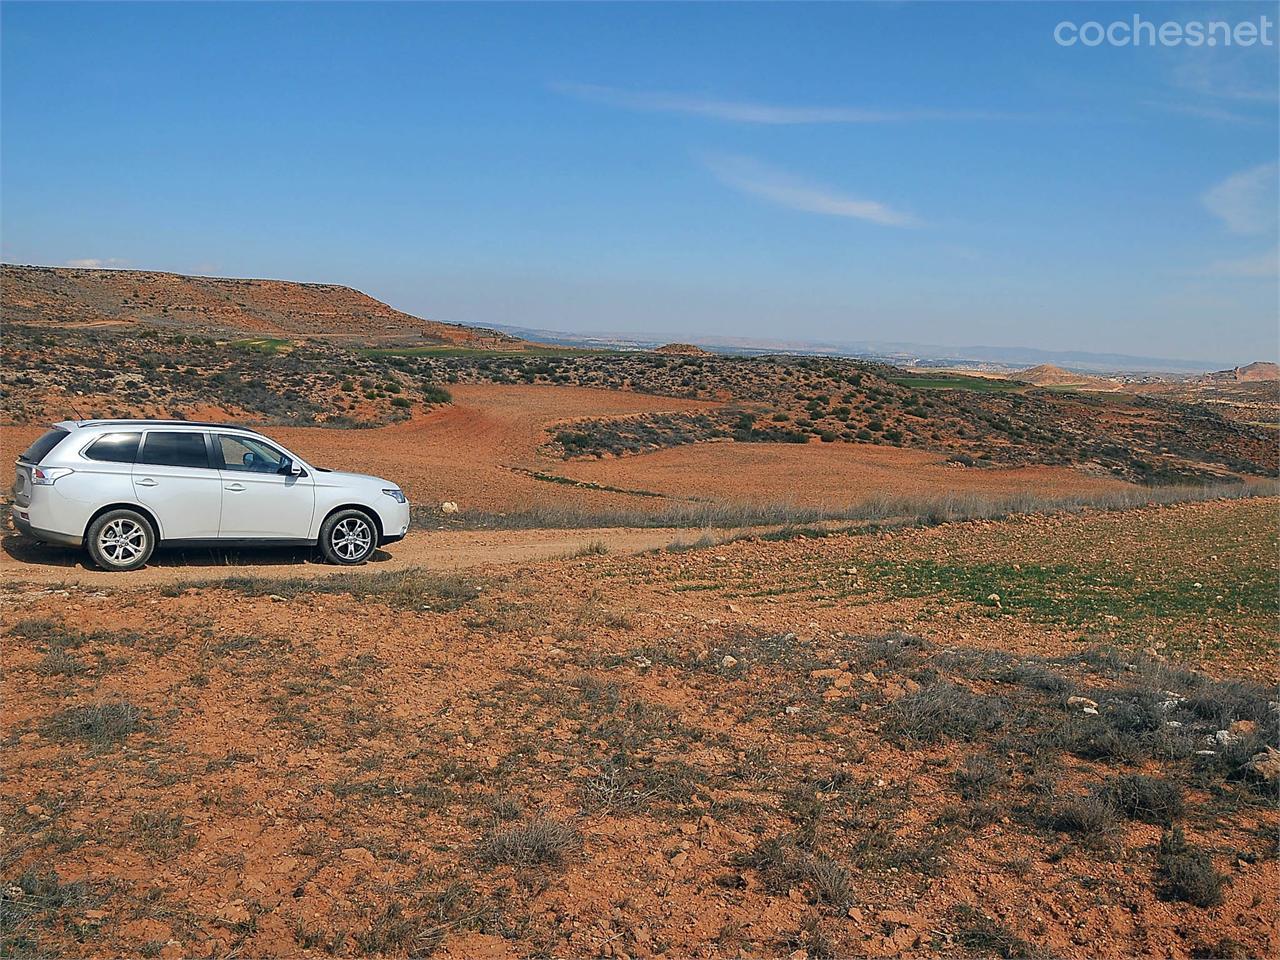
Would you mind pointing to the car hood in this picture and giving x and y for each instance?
(340, 478)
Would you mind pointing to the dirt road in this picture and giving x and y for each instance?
(24, 562)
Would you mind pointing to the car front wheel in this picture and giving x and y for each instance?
(120, 540)
(348, 537)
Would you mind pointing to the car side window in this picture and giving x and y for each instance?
(114, 448)
(174, 449)
(249, 455)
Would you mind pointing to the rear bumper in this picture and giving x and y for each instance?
(394, 539)
(23, 525)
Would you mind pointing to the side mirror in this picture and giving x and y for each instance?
(290, 468)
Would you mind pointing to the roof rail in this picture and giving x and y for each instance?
(167, 423)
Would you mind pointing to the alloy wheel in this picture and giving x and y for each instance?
(122, 541)
(351, 538)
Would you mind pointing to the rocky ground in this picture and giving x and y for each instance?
(1040, 737)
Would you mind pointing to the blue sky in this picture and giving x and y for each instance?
(940, 173)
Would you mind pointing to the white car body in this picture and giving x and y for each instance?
(62, 484)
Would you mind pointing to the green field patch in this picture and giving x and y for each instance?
(268, 345)
(980, 384)
(1078, 595)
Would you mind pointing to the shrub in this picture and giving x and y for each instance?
(984, 936)
(530, 844)
(99, 725)
(433, 393)
(1144, 798)
(1188, 871)
(978, 778)
(1092, 819)
(942, 711)
(781, 865)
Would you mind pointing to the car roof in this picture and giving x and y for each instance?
(145, 424)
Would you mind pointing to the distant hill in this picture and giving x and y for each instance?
(1048, 375)
(1257, 372)
(682, 350)
(270, 308)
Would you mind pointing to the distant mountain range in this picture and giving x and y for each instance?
(280, 308)
(899, 353)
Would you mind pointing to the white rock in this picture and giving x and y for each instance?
(448, 507)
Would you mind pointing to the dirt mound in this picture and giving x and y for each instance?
(1257, 372)
(1047, 375)
(274, 308)
(682, 350)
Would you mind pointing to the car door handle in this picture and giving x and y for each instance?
(235, 487)
(147, 482)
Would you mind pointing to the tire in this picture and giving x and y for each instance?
(120, 540)
(348, 537)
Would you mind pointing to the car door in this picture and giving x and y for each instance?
(261, 500)
(174, 478)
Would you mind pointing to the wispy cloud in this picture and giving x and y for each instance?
(1246, 201)
(1208, 112)
(745, 111)
(784, 190)
(1242, 74)
(1263, 265)
(95, 263)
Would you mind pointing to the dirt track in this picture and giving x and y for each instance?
(24, 562)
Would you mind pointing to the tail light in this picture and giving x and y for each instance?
(47, 476)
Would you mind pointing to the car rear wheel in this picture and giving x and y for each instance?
(120, 540)
(348, 537)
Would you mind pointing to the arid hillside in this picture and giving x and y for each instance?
(122, 370)
(1258, 371)
(57, 296)
(1047, 375)
(91, 343)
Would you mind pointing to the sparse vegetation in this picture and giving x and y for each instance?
(415, 589)
(538, 842)
(1144, 798)
(100, 725)
(1188, 871)
(592, 756)
(982, 936)
(942, 711)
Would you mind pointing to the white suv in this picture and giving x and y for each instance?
(120, 487)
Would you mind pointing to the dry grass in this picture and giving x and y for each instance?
(944, 508)
(536, 843)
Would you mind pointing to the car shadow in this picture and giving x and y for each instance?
(25, 551)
